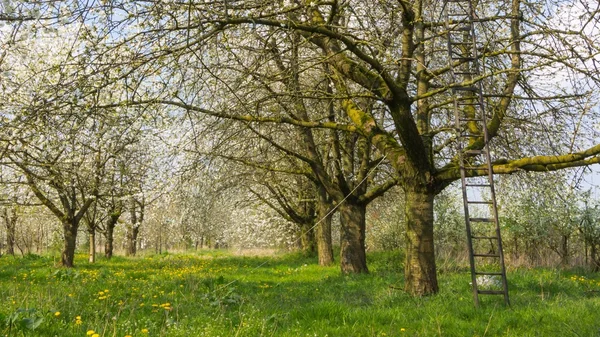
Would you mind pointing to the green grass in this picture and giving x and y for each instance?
(216, 294)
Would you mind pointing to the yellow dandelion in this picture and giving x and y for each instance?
(90, 332)
(402, 329)
(57, 314)
(95, 335)
(144, 330)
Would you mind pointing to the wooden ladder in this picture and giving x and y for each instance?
(488, 273)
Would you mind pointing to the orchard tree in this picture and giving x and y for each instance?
(53, 132)
(540, 214)
(589, 227)
(389, 74)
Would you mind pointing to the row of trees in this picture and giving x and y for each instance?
(309, 105)
(553, 223)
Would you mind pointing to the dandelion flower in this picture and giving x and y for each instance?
(96, 335)
(57, 314)
(402, 329)
(90, 332)
(144, 330)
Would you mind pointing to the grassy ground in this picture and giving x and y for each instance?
(216, 294)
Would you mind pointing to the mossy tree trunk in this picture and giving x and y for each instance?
(353, 257)
(420, 268)
(70, 227)
(323, 230)
(10, 221)
(111, 222)
(307, 238)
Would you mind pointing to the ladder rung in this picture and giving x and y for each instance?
(494, 273)
(484, 237)
(479, 202)
(482, 219)
(490, 292)
(478, 185)
(486, 255)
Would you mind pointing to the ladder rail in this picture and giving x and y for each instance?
(469, 60)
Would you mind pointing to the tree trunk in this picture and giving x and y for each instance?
(595, 257)
(307, 239)
(419, 270)
(11, 228)
(92, 256)
(109, 244)
(111, 222)
(323, 232)
(564, 248)
(70, 238)
(353, 257)
(134, 229)
(132, 239)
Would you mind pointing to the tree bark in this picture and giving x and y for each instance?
(353, 257)
(109, 244)
(132, 239)
(307, 238)
(420, 269)
(111, 222)
(70, 235)
(564, 248)
(92, 255)
(136, 220)
(595, 257)
(323, 232)
(11, 228)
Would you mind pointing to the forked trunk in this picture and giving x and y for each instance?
(353, 258)
(70, 235)
(419, 270)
